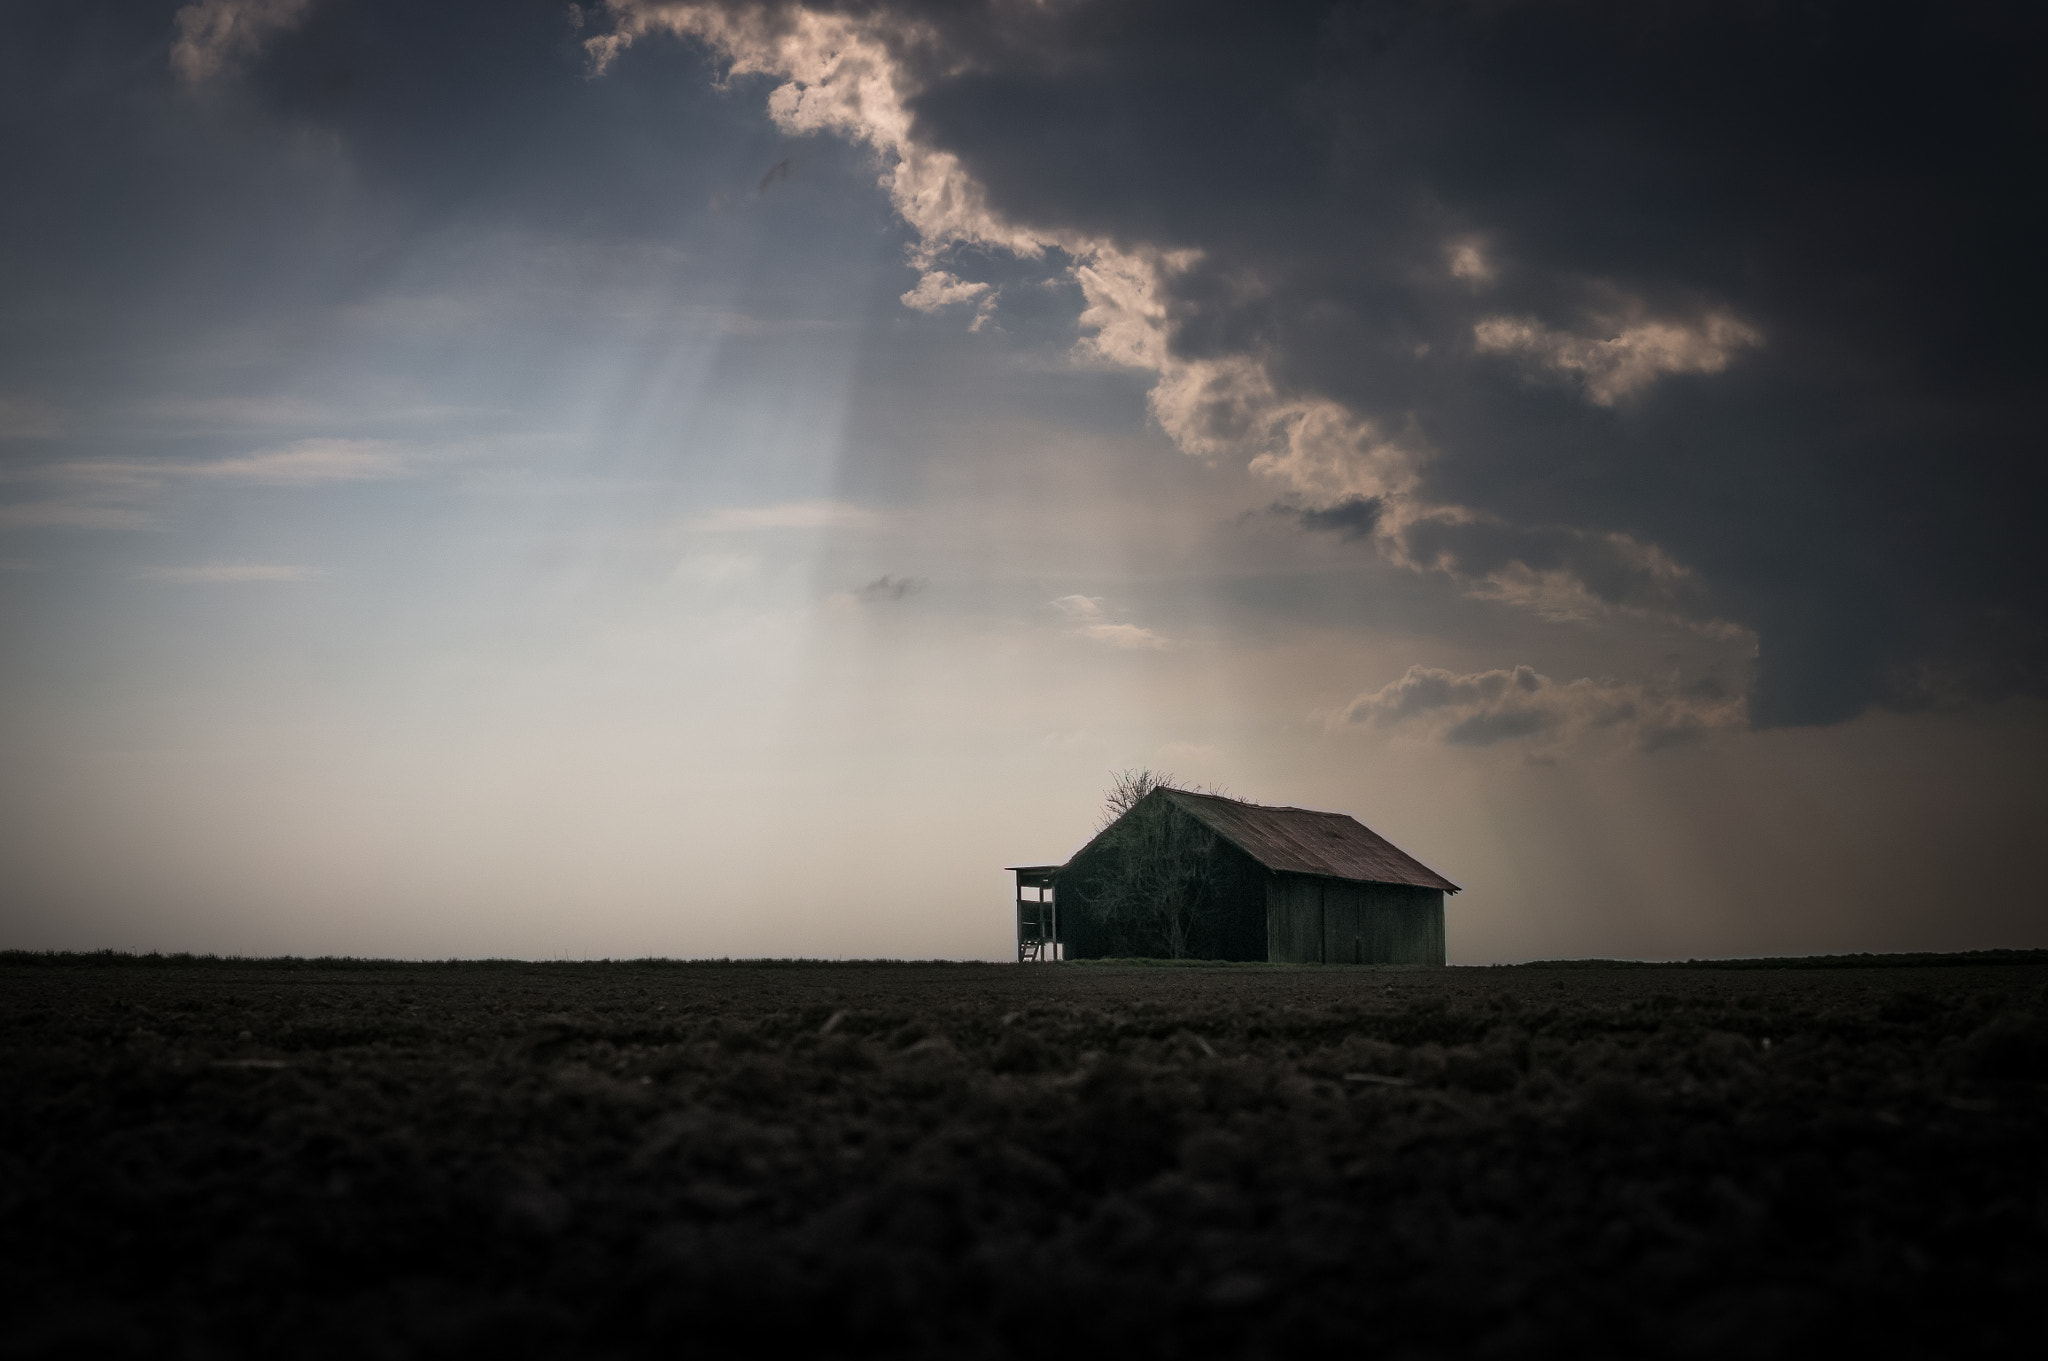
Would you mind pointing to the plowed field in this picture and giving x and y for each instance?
(350, 1160)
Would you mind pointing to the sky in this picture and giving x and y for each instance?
(701, 479)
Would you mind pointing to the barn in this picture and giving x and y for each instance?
(1188, 875)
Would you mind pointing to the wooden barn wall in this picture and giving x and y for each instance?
(1294, 919)
(1332, 921)
(1239, 903)
(1079, 936)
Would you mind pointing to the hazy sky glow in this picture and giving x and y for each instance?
(692, 479)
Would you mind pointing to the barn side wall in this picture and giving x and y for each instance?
(1311, 920)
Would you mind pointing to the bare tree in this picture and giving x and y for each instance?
(1127, 788)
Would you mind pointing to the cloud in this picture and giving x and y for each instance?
(1519, 705)
(1467, 260)
(296, 464)
(936, 289)
(1124, 635)
(1623, 364)
(1355, 517)
(1562, 574)
(77, 512)
(122, 493)
(188, 414)
(307, 461)
(1515, 266)
(1086, 614)
(216, 36)
(787, 515)
(839, 75)
(225, 573)
(891, 588)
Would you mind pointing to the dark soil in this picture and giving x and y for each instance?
(355, 1160)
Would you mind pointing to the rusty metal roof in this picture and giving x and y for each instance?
(1304, 841)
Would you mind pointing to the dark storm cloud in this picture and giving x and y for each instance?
(1758, 284)
(1484, 730)
(1757, 287)
(1355, 517)
(891, 588)
(1614, 570)
(1489, 708)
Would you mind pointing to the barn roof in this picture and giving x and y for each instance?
(1304, 841)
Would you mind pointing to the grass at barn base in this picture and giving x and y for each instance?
(349, 1157)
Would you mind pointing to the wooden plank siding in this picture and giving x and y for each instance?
(1314, 920)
